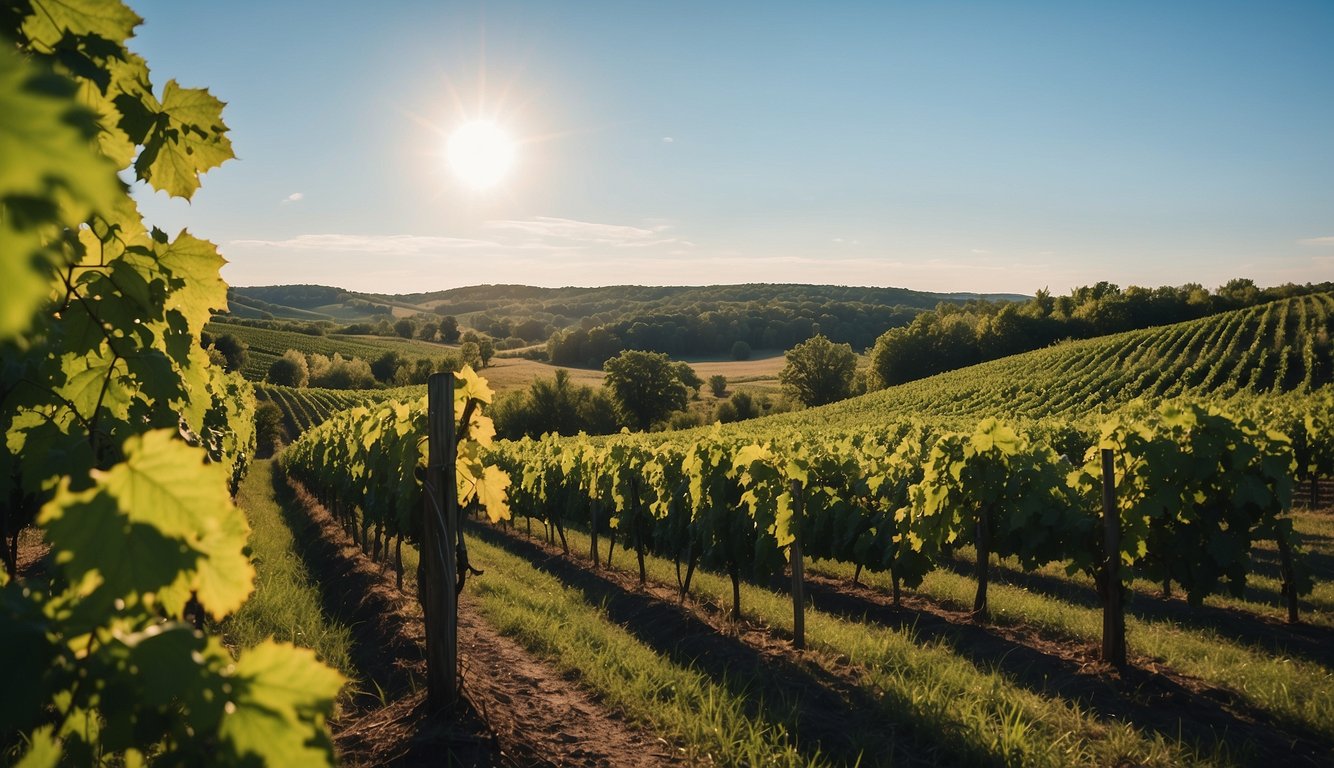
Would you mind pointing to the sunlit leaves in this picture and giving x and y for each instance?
(187, 138)
(51, 20)
(1194, 487)
(280, 696)
(173, 512)
(369, 456)
(50, 178)
(116, 428)
(199, 291)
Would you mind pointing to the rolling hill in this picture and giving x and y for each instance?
(1282, 346)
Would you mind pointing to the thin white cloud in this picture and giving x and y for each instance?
(979, 251)
(390, 245)
(295, 197)
(547, 228)
(668, 140)
(1318, 240)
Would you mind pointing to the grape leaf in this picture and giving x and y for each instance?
(44, 142)
(51, 19)
(188, 138)
(278, 690)
(44, 752)
(144, 560)
(198, 287)
(165, 483)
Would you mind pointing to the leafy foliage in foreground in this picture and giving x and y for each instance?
(121, 440)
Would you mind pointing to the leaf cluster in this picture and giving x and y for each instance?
(122, 441)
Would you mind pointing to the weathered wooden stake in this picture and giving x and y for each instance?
(1113, 615)
(438, 575)
(1289, 579)
(798, 571)
(982, 536)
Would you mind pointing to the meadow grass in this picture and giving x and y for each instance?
(707, 718)
(286, 601)
(948, 710)
(1297, 691)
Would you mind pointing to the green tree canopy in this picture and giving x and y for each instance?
(819, 371)
(646, 386)
(290, 370)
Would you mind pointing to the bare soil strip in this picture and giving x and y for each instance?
(1149, 695)
(517, 710)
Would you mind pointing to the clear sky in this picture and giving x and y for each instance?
(947, 146)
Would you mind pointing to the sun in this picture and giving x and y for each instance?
(480, 153)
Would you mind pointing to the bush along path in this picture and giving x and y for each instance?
(517, 710)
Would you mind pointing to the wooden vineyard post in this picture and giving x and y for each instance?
(1289, 574)
(1113, 615)
(798, 572)
(438, 588)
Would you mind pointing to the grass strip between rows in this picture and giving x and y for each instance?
(286, 602)
(556, 623)
(962, 713)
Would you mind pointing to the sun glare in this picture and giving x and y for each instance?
(480, 153)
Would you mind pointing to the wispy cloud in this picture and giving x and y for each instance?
(1318, 240)
(295, 197)
(392, 245)
(549, 228)
(544, 234)
(668, 140)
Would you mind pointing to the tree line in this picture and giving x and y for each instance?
(956, 336)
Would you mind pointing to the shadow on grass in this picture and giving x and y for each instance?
(390, 722)
(1314, 643)
(1214, 720)
(352, 595)
(825, 712)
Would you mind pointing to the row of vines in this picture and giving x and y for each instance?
(365, 464)
(1194, 487)
(1273, 349)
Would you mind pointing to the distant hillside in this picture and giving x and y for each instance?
(311, 303)
(1277, 347)
(585, 326)
(574, 304)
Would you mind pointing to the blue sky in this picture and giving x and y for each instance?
(949, 146)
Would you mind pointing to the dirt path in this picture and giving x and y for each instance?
(1147, 694)
(518, 711)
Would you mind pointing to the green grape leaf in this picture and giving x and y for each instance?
(470, 386)
(92, 380)
(278, 690)
(165, 483)
(144, 560)
(51, 19)
(198, 287)
(44, 137)
(188, 138)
